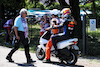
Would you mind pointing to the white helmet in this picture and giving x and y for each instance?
(55, 12)
(66, 12)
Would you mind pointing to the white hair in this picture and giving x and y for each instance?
(23, 10)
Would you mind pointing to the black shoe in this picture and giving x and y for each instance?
(30, 61)
(47, 61)
(56, 52)
(9, 59)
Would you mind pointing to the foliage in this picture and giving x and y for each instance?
(86, 6)
(55, 5)
(40, 5)
(28, 4)
(97, 3)
(31, 4)
(89, 6)
(13, 4)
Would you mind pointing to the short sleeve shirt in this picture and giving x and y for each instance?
(18, 23)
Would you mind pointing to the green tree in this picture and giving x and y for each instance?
(13, 4)
(74, 5)
(97, 7)
(40, 5)
(29, 4)
(33, 4)
(54, 5)
(90, 7)
(7, 6)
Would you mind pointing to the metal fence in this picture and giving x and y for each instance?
(91, 39)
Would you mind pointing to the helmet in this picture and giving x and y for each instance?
(66, 12)
(55, 12)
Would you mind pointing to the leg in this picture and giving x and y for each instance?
(7, 36)
(56, 39)
(26, 47)
(16, 46)
(11, 52)
(48, 48)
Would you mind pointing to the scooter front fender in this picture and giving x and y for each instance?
(39, 46)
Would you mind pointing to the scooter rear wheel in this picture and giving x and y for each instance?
(73, 59)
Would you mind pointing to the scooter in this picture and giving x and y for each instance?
(68, 51)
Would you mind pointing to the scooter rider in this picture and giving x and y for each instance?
(59, 37)
(54, 21)
(66, 34)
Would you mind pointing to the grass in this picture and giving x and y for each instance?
(92, 42)
(92, 46)
(34, 35)
(93, 33)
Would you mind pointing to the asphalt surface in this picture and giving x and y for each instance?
(20, 60)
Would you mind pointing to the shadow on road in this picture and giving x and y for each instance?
(64, 65)
(25, 64)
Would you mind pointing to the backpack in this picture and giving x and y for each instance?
(12, 32)
(12, 35)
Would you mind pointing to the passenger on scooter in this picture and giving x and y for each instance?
(54, 21)
(59, 37)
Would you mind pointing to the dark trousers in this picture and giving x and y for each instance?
(57, 38)
(7, 35)
(24, 42)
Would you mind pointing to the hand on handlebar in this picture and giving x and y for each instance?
(47, 29)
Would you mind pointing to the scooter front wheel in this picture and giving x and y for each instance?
(40, 54)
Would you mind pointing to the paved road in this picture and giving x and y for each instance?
(20, 60)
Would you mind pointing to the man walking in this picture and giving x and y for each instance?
(21, 33)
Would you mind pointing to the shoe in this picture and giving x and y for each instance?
(9, 59)
(30, 61)
(56, 52)
(47, 61)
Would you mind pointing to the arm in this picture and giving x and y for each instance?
(65, 22)
(41, 25)
(16, 25)
(75, 22)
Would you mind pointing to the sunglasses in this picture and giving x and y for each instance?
(25, 13)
